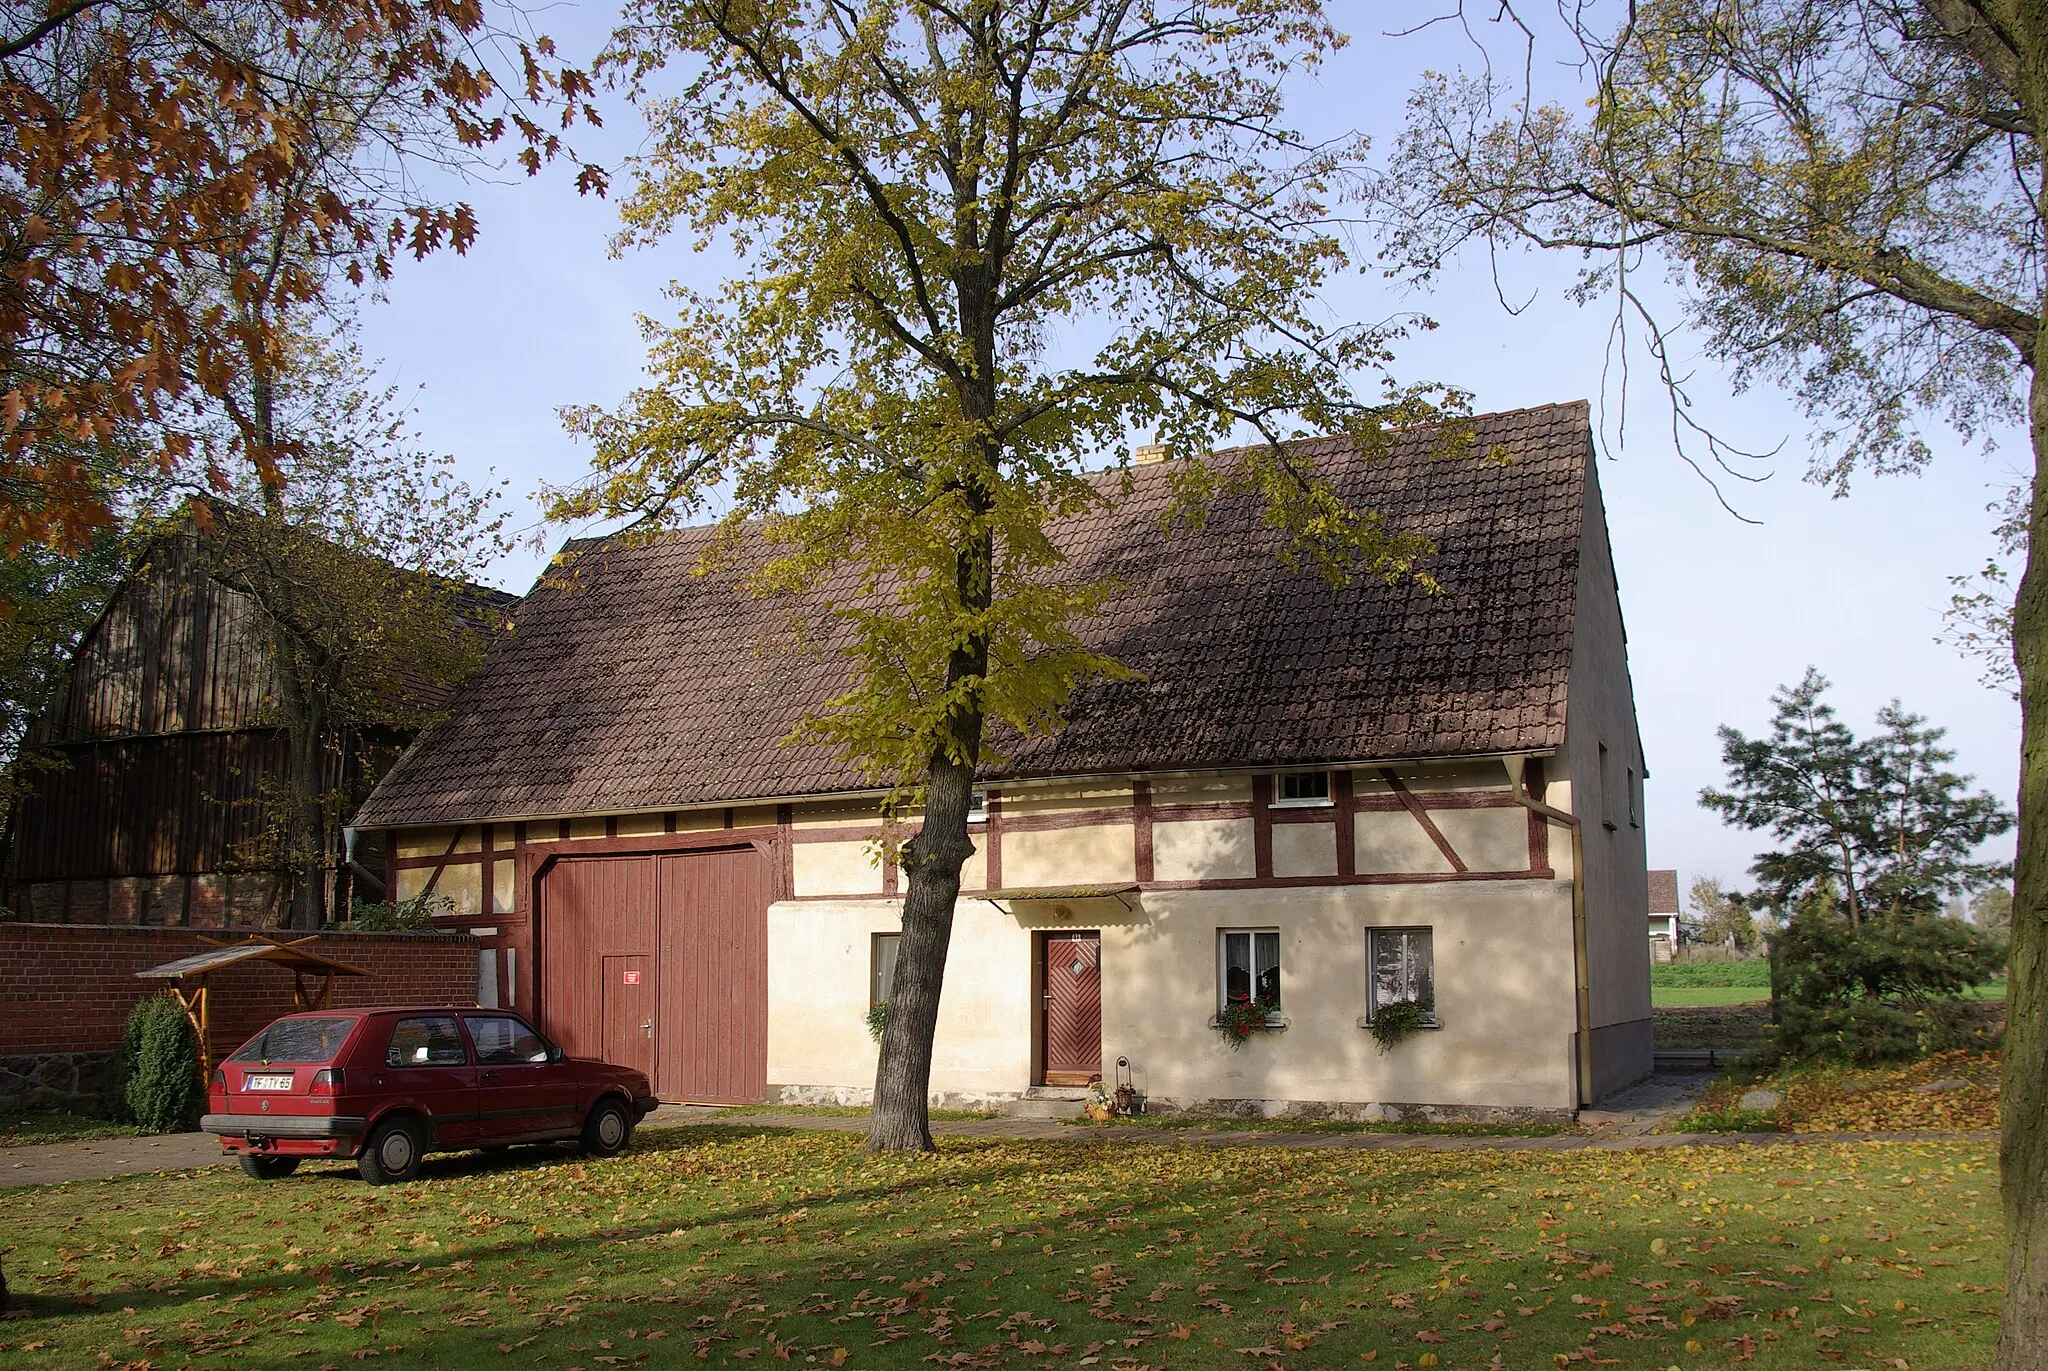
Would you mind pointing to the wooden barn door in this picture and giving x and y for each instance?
(712, 1043)
(1073, 1007)
(592, 909)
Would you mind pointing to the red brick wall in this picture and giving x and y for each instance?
(69, 987)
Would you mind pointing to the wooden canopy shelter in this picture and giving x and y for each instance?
(188, 977)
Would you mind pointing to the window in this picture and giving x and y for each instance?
(1302, 788)
(882, 966)
(502, 1041)
(1606, 782)
(1403, 968)
(977, 807)
(297, 1040)
(426, 1042)
(1634, 815)
(1251, 968)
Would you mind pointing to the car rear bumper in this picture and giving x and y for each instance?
(646, 1105)
(282, 1125)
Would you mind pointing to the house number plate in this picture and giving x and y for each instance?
(268, 1083)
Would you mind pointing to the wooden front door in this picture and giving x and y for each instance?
(627, 999)
(1073, 1008)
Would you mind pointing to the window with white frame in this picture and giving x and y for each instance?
(1302, 788)
(882, 966)
(1249, 968)
(1403, 969)
(977, 806)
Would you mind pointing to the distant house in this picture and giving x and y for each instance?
(1323, 800)
(1663, 915)
(168, 758)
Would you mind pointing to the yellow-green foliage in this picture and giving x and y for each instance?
(979, 249)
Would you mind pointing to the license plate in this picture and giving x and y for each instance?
(267, 1083)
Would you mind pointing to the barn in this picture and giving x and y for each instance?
(1318, 801)
(160, 757)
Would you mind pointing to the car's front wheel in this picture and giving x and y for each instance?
(609, 1129)
(268, 1168)
(392, 1153)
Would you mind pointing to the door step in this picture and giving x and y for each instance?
(1047, 1102)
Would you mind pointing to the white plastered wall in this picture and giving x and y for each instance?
(1601, 711)
(1502, 951)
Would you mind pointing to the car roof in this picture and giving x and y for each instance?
(383, 1010)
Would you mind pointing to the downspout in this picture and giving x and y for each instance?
(1581, 983)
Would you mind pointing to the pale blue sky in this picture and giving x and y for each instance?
(537, 316)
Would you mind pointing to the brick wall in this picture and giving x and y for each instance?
(68, 987)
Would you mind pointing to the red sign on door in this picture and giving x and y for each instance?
(630, 977)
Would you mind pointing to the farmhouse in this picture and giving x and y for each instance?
(1324, 800)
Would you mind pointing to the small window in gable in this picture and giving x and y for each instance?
(1302, 788)
(1635, 817)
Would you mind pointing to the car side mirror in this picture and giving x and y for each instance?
(555, 1053)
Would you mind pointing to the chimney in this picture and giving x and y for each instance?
(1148, 454)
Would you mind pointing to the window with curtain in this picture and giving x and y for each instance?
(1403, 967)
(1251, 967)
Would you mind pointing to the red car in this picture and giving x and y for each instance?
(387, 1086)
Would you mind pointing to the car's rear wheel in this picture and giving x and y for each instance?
(268, 1168)
(392, 1153)
(609, 1129)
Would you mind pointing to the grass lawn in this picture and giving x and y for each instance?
(1676, 996)
(1670, 996)
(716, 1245)
(18, 1130)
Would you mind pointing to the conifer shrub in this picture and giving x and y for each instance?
(163, 1089)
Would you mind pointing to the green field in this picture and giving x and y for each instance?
(1671, 996)
(717, 1245)
(1665, 996)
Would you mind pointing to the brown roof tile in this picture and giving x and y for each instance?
(633, 684)
(1664, 892)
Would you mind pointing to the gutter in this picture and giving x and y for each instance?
(1581, 984)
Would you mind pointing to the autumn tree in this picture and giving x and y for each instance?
(145, 142)
(360, 561)
(982, 244)
(1721, 918)
(1848, 200)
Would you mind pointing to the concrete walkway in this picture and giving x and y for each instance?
(100, 1158)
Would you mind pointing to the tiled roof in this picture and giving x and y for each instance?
(633, 684)
(1663, 892)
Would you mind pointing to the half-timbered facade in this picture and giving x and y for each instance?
(1326, 798)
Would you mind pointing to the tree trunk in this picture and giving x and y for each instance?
(2023, 1150)
(901, 1118)
(305, 859)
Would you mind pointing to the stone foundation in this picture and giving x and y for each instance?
(861, 1096)
(60, 1082)
(1337, 1111)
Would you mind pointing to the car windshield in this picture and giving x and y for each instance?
(297, 1040)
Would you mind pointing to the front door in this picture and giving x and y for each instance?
(627, 1004)
(1073, 1008)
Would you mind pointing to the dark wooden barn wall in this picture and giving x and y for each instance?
(174, 652)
